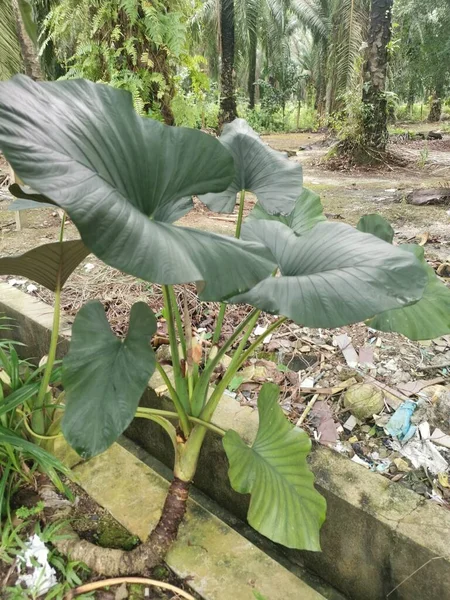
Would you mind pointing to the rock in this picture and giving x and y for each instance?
(444, 269)
(163, 353)
(429, 196)
(289, 152)
(434, 135)
(364, 400)
(300, 362)
(401, 465)
(400, 377)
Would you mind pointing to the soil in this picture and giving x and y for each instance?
(346, 196)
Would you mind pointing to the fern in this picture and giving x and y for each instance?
(130, 7)
(132, 44)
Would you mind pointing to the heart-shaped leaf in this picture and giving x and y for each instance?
(377, 226)
(104, 377)
(308, 211)
(275, 180)
(333, 275)
(427, 319)
(115, 173)
(284, 504)
(50, 264)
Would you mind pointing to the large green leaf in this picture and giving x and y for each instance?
(47, 264)
(427, 319)
(115, 173)
(333, 275)
(28, 199)
(308, 211)
(284, 504)
(104, 377)
(275, 180)
(377, 226)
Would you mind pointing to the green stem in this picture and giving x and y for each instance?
(180, 381)
(237, 235)
(162, 422)
(200, 390)
(260, 339)
(219, 323)
(236, 362)
(179, 322)
(38, 416)
(240, 214)
(181, 413)
(142, 411)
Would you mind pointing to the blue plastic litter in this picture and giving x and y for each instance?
(399, 425)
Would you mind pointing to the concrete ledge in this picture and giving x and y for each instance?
(219, 563)
(377, 533)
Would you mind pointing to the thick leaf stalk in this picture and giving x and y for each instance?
(140, 561)
(38, 418)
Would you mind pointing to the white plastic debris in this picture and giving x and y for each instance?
(360, 461)
(422, 453)
(424, 430)
(88, 267)
(342, 448)
(39, 576)
(14, 282)
(307, 383)
(259, 330)
(31, 288)
(344, 342)
(391, 365)
(350, 423)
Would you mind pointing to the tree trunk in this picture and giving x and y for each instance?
(375, 132)
(252, 68)
(435, 108)
(30, 58)
(228, 110)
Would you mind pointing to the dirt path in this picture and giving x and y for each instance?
(345, 196)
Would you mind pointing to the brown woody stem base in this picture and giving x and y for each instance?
(113, 563)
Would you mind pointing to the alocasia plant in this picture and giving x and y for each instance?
(124, 180)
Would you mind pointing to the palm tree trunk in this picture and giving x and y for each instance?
(253, 42)
(374, 98)
(30, 58)
(436, 104)
(228, 110)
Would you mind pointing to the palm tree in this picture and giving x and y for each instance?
(10, 56)
(228, 109)
(375, 132)
(18, 40)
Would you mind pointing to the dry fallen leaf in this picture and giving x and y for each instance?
(326, 427)
(423, 238)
